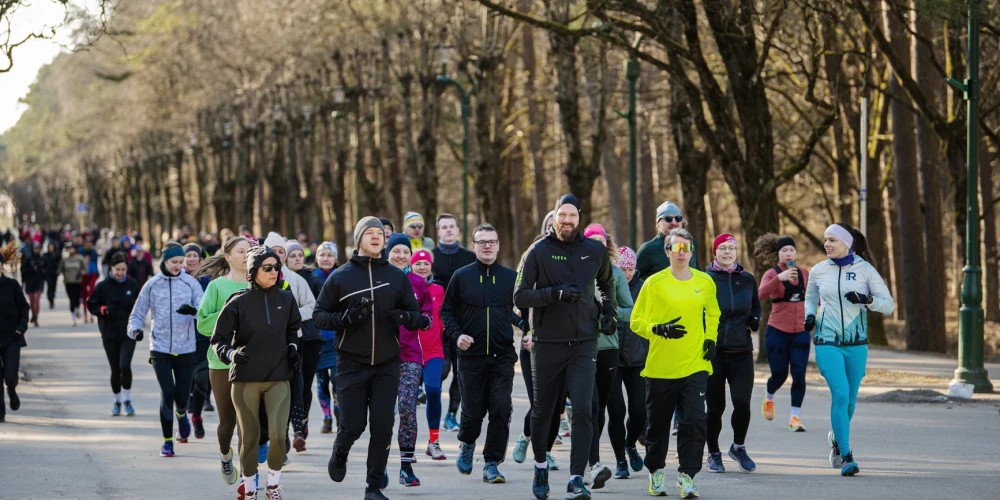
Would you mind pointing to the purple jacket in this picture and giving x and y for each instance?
(410, 350)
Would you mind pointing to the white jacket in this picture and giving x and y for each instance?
(303, 294)
(839, 322)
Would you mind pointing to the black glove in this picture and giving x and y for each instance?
(753, 323)
(187, 310)
(137, 335)
(294, 357)
(858, 298)
(609, 324)
(359, 312)
(238, 357)
(810, 322)
(670, 329)
(709, 349)
(567, 293)
(399, 317)
(425, 322)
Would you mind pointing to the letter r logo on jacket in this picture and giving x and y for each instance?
(852, 276)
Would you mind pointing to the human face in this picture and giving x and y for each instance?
(296, 260)
(267, 279)
(174, 265)
(600, 238)
(448, 230)
(303, 238)
(119, 270)
(681, 258)
(835, 248)
(280, 252)
(483, 245)
(191, 261)
(567, 221)
(399, 256)
(786, 254)
(726, 253)
(421, 268)
(325, 259)
(237, 257)
(371, 242)
(415, 230)
(629, 272)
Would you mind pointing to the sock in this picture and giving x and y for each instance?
(575, 477)
(542, 465)
(171, 438)
(405, 456)
(127, 394)
(795, 411)
(225, 457)
(118, 397)
(739, 446)
(272, 477)
(769, 396)
(249, 484)
(434, 435)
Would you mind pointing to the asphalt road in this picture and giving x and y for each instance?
(63, 444)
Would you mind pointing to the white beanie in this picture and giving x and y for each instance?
(274, 240)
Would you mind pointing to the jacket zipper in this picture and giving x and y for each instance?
(486, 296)
(371, 292)
(267, 309)
(732, 304)
(843, 327)
(170, 314)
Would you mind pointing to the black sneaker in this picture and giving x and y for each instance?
(208, 405)
(337, 467)
(621, 471)
(540, 483)
(372, 493)
(421, 397)
(15, 402)
(575, 490)
(634, 458)
(199, 427)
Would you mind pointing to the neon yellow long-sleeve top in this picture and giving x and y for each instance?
(664, 298)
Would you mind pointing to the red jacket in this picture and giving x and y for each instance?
(430, 339)
(411, 349)
(789, 316)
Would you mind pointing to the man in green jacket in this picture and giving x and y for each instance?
(651, 257)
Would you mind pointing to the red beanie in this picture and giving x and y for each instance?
(723, 238)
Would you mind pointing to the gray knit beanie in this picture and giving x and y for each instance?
(364, 225)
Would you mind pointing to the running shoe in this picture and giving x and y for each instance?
(272, 492)
(15, 402)
(521, 449)
(407, 477)
(305, 428)
(116, 409)
(715, 462)
(836, 461)
(540, 483)
(492, 475)
(742, 459)
(168, 449)
(262, 452)
(551, 461)
(795, 425)
(658, 483)
(673, 431)
(3, 418)
(327, 426)
(621, 471)
(564, 427)
(183, 427)
(450, 422)
(767, 408)
(384, 483)
(129, 411)
(634, 458)
(599, 475)
(229, 474)
(850, 467)
(299, 443)
(199, 427)
(372, 493)
(337, 466)
(208, 405)
(421, 397)
(286, 460)
(575, 490)
(249, 496)
(558, 440)
(465, 455)
(241, 491)
(434, 451)
(686, 487)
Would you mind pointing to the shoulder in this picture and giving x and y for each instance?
(662, 276)
(595, 246)
(506, 271)
(237, 296)
(700, 277)
(647, 245)
(748, 275)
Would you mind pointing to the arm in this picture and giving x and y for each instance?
(198, 294)
(606, 284)
(712, 312)
(141, 308)
(23, 311)
(812, 294)
(225, 330)
(525, 293)
(642, 263)
(641, 321)
(407, 301)
(755, 304)
(449, 309)
(292, 329)
(518, 321)
(625, 303)
(96, 300)
(304, 298)
(881, 298)
(208, 311)
(770, 286)
(427, 307)
(326, 315)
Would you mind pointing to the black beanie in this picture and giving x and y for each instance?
(255, 258)
(783, 242)
(568, 199)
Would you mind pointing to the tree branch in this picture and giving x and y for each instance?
(818, 243)
(802, 161)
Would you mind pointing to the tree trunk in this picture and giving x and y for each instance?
(580, 173)
(877, 235)
(597, 88)
(991, 251)
(536, 116)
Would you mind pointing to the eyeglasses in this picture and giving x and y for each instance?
(416, 226)
(269, 268)
(724, 248)
(487, 243)
(673, 218)
(680, 247)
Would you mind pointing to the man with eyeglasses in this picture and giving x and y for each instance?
(556, 284)
(477, 313)
(413, 226)
(650, 259)
(677, 310)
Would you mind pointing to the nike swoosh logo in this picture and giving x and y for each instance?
(701, 393)
(584, 257)
(612, 368)
(595, 359)
(697, 291)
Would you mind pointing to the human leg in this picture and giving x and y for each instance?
(222, 389)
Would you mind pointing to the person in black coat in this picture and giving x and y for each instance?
(112, 303)
(140, 268)
(33, 277)
(51, 258)
(14, 312)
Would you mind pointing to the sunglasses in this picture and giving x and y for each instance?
(680, 247)
(673, 218)
(416, 226)
(270, 268)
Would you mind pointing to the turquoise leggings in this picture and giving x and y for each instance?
(843, 368)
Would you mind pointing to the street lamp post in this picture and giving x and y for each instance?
(444, 55)
(970, 320)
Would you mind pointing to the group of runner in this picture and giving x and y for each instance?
(599, 321)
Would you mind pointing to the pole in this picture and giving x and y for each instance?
(970, 320)
(864, 165)
(632, 73)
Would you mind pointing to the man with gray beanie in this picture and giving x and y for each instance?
(366, 301)
(652, 257)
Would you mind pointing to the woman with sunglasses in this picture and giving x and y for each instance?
(257, 332)
(848, 286)
(736, 291)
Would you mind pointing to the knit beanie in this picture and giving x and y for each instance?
(255, 258)
(723, 238)
(783, 242)
(172, 252)
(293, 245)
(385, 222)
(329, 245)
(191, 247)
(567, 199)
(365, 224)
(398, 239)
(595, 229)
(412, 218)
(668, 208)
(275, 240)
(626, 258)
(420, 255)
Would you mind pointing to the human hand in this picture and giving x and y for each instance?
(464, 342)
(670, 329)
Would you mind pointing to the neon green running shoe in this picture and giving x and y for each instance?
(686, 487)
(657, 484)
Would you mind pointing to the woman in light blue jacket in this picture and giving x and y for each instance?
(172, 297)
(848, 286)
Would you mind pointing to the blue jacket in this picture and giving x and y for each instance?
(172, 333)
(839, 322)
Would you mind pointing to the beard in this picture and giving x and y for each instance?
(567, 234)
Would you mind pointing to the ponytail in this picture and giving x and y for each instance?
(860, 245)
(764, 249)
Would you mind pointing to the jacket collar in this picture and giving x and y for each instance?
(484, 267)
(555, 239)
(364, 261)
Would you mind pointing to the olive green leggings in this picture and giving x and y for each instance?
(277, 399)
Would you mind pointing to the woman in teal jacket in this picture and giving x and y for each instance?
(848, 286)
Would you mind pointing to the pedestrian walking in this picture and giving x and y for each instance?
(71, 268)
(786, 341)
(677, 311)
(112, 303)
(140, 268)
(257, 332)
(91, 273)
(558, 272)
(848, 286)
(431, 342)
(15, 311)
(651, 258)
(326, 391)
(33, 278)
(51, 258)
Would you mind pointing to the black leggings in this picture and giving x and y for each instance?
(525, 358)
(737, 369)
(10, 361)
(201, 386)
(454, 390)
(119, 354)
(302, 394)
(73, 290)
(625, 432)
(50, 288)
(173, 373)
(607, 367)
